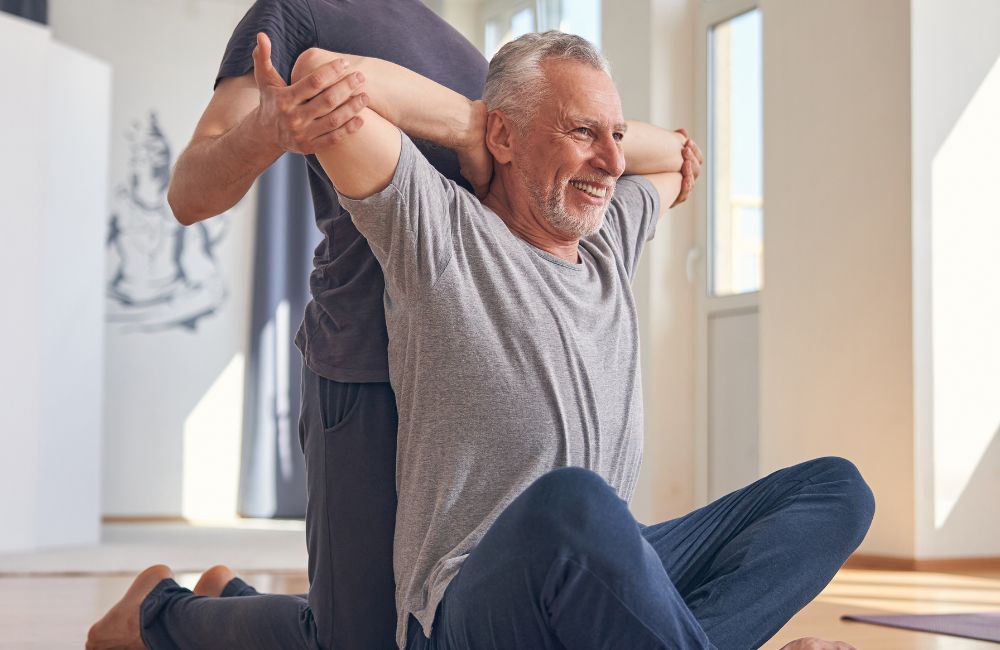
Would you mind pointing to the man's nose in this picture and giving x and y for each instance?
(609, 157)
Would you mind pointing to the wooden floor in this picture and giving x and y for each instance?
(53, 612)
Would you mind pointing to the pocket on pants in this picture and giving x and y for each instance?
(338, 403)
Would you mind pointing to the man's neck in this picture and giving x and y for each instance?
(530, 227)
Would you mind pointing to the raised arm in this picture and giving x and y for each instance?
(397, 98)
(669, 159)
(249, 122)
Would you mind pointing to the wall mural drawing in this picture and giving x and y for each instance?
(161, 275)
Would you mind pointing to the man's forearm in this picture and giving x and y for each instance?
(215, 172)
(418, 106)
(652, 150)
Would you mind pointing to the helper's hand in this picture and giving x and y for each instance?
(313, 113)
(690, 169)
(812, 643)
(474, 158)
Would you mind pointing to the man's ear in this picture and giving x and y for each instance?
(499, 132)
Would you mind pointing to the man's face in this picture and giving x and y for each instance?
(571, 155)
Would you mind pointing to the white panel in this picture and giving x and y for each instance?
(22, 214)
(733, 418)
(163, 358)
(956, 140)
(73, 316)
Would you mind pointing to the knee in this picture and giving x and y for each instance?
(855, 500)
(571, 503)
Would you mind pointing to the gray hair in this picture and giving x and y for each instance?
(516, 81)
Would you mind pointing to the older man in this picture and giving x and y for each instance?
(514, 359)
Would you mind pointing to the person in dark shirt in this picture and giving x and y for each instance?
(348, 419)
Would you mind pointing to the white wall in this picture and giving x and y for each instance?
(54, 166)
(956, 269)
(173, 394)
(835, 312)
(651, 48)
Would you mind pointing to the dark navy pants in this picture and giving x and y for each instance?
(348, 435)
(566, 565)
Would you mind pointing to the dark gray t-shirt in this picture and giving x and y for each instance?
(343, 335)
(507, 362)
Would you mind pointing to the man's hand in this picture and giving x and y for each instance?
(473, 156)
(812, 643)
(691, 169)
(313, 113)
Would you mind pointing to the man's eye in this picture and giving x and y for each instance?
(618, 137)
(582, 130)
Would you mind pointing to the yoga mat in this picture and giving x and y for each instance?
(982, 626)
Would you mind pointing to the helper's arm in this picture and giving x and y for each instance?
(249, 122)
(364, 164)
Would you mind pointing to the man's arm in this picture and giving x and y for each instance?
(253, 119)
(668, 159)
(397, 98)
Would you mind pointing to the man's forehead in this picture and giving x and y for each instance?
(582, 93)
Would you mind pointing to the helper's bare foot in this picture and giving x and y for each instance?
(119, 629)
(213, 581)
(812, 643)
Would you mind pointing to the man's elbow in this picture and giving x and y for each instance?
(185, 214)
(309, 61)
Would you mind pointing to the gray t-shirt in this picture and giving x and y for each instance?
(507, 362)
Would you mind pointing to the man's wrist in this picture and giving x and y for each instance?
(471, 134)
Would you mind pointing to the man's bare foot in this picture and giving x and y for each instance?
(213, 581)
(119, 629)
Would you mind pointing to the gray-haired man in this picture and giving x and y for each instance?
(514, 358)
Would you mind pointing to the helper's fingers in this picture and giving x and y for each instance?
(347, 86)
(318, 80)
(263, 70)
(335, 120)
(327, 140)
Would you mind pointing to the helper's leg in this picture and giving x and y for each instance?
(747, 562)
(158, 613)
(348, 433)
(564, 566)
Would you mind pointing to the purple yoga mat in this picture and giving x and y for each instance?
(983, 626)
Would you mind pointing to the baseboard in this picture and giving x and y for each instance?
(941, 565)
(143, 519)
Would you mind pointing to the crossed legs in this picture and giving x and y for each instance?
(566, 566)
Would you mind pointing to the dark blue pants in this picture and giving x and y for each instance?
(566, 565)
(348, 435)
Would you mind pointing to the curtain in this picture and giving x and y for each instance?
(272, 477)
(36, 10)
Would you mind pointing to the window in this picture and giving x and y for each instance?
(507, 20)
(736, 216)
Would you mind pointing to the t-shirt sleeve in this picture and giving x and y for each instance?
(409, 223)
(631, 219)
(288, 23)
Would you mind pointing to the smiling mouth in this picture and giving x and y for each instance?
(596, 191)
